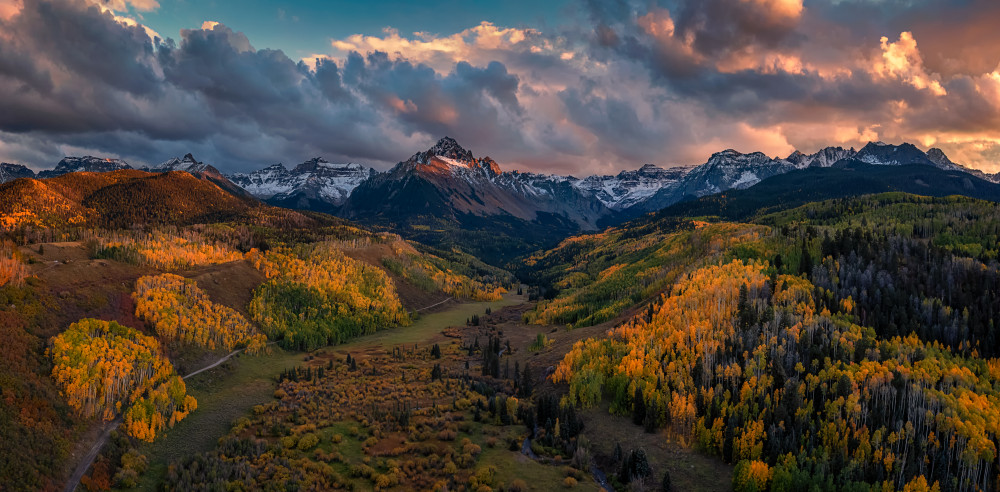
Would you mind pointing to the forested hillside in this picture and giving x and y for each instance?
(104, 368)
(851, 347)
(590, 279)
(315, 296)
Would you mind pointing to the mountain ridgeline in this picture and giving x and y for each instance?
(448, 197)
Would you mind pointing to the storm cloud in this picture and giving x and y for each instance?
(617, 85)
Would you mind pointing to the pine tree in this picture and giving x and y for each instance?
(805, 261)
(638, 407)
(526, 383)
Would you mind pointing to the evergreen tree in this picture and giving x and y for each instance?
(665, 484)
(805, 261)
(638, 407)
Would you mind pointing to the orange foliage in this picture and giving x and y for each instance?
(179, 310)
(166, 251)
(12, 269)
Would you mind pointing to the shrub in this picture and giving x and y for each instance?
(308, 442)
(518, 486)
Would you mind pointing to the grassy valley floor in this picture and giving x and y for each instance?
(231, 390)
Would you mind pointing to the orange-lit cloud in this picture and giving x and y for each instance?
(902, 59)
(472, 45)
(789, 9)
(123, 5)
(8, 8)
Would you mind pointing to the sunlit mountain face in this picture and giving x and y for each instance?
(676, 245)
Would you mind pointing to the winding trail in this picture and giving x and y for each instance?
(91, 455)
(88, 459)
(220, 361)
(435, 304)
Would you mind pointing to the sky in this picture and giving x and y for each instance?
(568, 86)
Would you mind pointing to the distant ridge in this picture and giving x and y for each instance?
(849, 178)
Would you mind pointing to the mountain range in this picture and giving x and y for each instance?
(318, 184)
(447, 196)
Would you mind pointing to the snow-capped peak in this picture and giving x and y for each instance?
(823, 158)
(883, 154)
(628, 188)
(10, 172)
(86, 163)
(187, 164)
(314, 178)
(447, 156)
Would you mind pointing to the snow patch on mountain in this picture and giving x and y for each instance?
(746, 180)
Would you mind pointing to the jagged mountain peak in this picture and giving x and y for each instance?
(824, 157)
(881, 153)
(628, 187)
(730, 157)
(311, 165)
(447, 156)
(449, 148)
(188, 163)
(938, 156)
(91, 161)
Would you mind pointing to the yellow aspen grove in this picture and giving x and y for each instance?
(102, 367)
(164, 250)
(179, 310)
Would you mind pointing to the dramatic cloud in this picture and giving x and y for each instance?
(615, 86)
